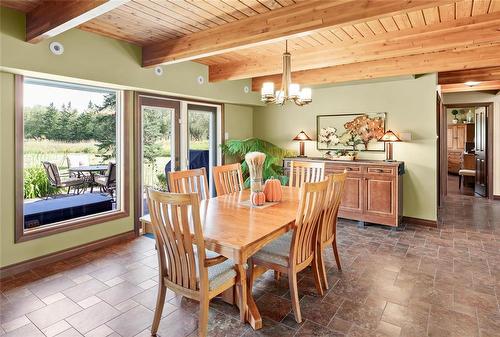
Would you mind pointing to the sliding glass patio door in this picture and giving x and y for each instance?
(159, 144)
(173, 135)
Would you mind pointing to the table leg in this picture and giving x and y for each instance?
(242, 291)
(91, 182)
(245, 299)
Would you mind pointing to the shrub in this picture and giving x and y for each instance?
(36, 183)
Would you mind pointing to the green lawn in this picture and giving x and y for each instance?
(36, 151)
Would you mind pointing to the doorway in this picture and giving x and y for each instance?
(466, 150)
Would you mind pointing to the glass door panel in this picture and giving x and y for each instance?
(159, 144)
(202, 141)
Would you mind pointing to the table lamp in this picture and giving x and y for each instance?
(301, 138)
(388, 138)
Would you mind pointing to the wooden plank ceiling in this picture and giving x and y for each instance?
(366, 39)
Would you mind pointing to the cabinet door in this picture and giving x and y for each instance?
(450, 137)
(380, 196)
(352, 198)
(460, 137)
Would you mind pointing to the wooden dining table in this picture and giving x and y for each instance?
(236, 230)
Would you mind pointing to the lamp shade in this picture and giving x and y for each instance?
(302, 136)
(389, 136)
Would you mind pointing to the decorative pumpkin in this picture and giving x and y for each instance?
(272, 190)
(258, 198)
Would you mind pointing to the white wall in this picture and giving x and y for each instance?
(483, 97)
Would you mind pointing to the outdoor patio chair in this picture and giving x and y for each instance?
(107, 182)
(78, 184)
(77, 160)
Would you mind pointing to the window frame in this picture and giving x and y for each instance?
(123, 116)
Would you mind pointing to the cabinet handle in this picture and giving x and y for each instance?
(348, 169)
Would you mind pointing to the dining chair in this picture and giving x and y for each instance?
(185, 266)
(107, 181)
(189, 181)
(228, 178)
(305, 172)
(327, 232)
(296, 250)
(76, 160)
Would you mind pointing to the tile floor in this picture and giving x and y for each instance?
(415, 282)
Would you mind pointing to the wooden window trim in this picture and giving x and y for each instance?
(22, 235)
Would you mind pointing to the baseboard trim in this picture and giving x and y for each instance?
(23, 266)
(496, 197)
(419, 222)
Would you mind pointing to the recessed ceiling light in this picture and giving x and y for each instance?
(56, 48)
(158, 70)
(471, 83)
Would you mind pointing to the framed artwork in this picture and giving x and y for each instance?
(354, 132)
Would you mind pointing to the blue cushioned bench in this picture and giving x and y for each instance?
(44, 212)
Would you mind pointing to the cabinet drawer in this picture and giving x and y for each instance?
(386, 171)
(339, 168)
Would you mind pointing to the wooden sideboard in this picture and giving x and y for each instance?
(373, 189)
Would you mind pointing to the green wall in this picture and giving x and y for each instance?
(410, 105)
(91, 59)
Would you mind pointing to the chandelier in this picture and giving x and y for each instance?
(289, 91)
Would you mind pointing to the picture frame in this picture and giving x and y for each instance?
(351, 131)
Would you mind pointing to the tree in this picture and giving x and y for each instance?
(366, 128)
(105, 127)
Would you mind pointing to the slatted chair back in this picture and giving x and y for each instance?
(228, 178)
(328, 225)
(170, 218)
(305, 172)
(304, 237)
(111, 173)
(189, 181)
(52, 173)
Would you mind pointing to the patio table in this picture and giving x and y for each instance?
(91, 170)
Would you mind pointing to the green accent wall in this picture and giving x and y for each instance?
(410, 105)
(92, 59)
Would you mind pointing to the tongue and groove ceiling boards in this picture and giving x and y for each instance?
(330, 40)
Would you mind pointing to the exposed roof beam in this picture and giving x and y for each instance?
(459, 58)
(54, 17)
(461, 87)
(425, 39)
(462, 76)
(291, 21)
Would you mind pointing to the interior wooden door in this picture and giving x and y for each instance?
(481, 181)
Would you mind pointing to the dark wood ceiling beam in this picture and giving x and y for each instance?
(291, 21)
(54, 17)
(462, 76)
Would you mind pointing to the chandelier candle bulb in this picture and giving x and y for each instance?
(267, 89)
(306, 95)
(294, 90)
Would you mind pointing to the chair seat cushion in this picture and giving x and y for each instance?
(276, 251)
(72, 182)
(219, 273)
(465, 172)
(101, 180)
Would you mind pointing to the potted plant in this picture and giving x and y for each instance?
(454, 113)
(237, 149)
